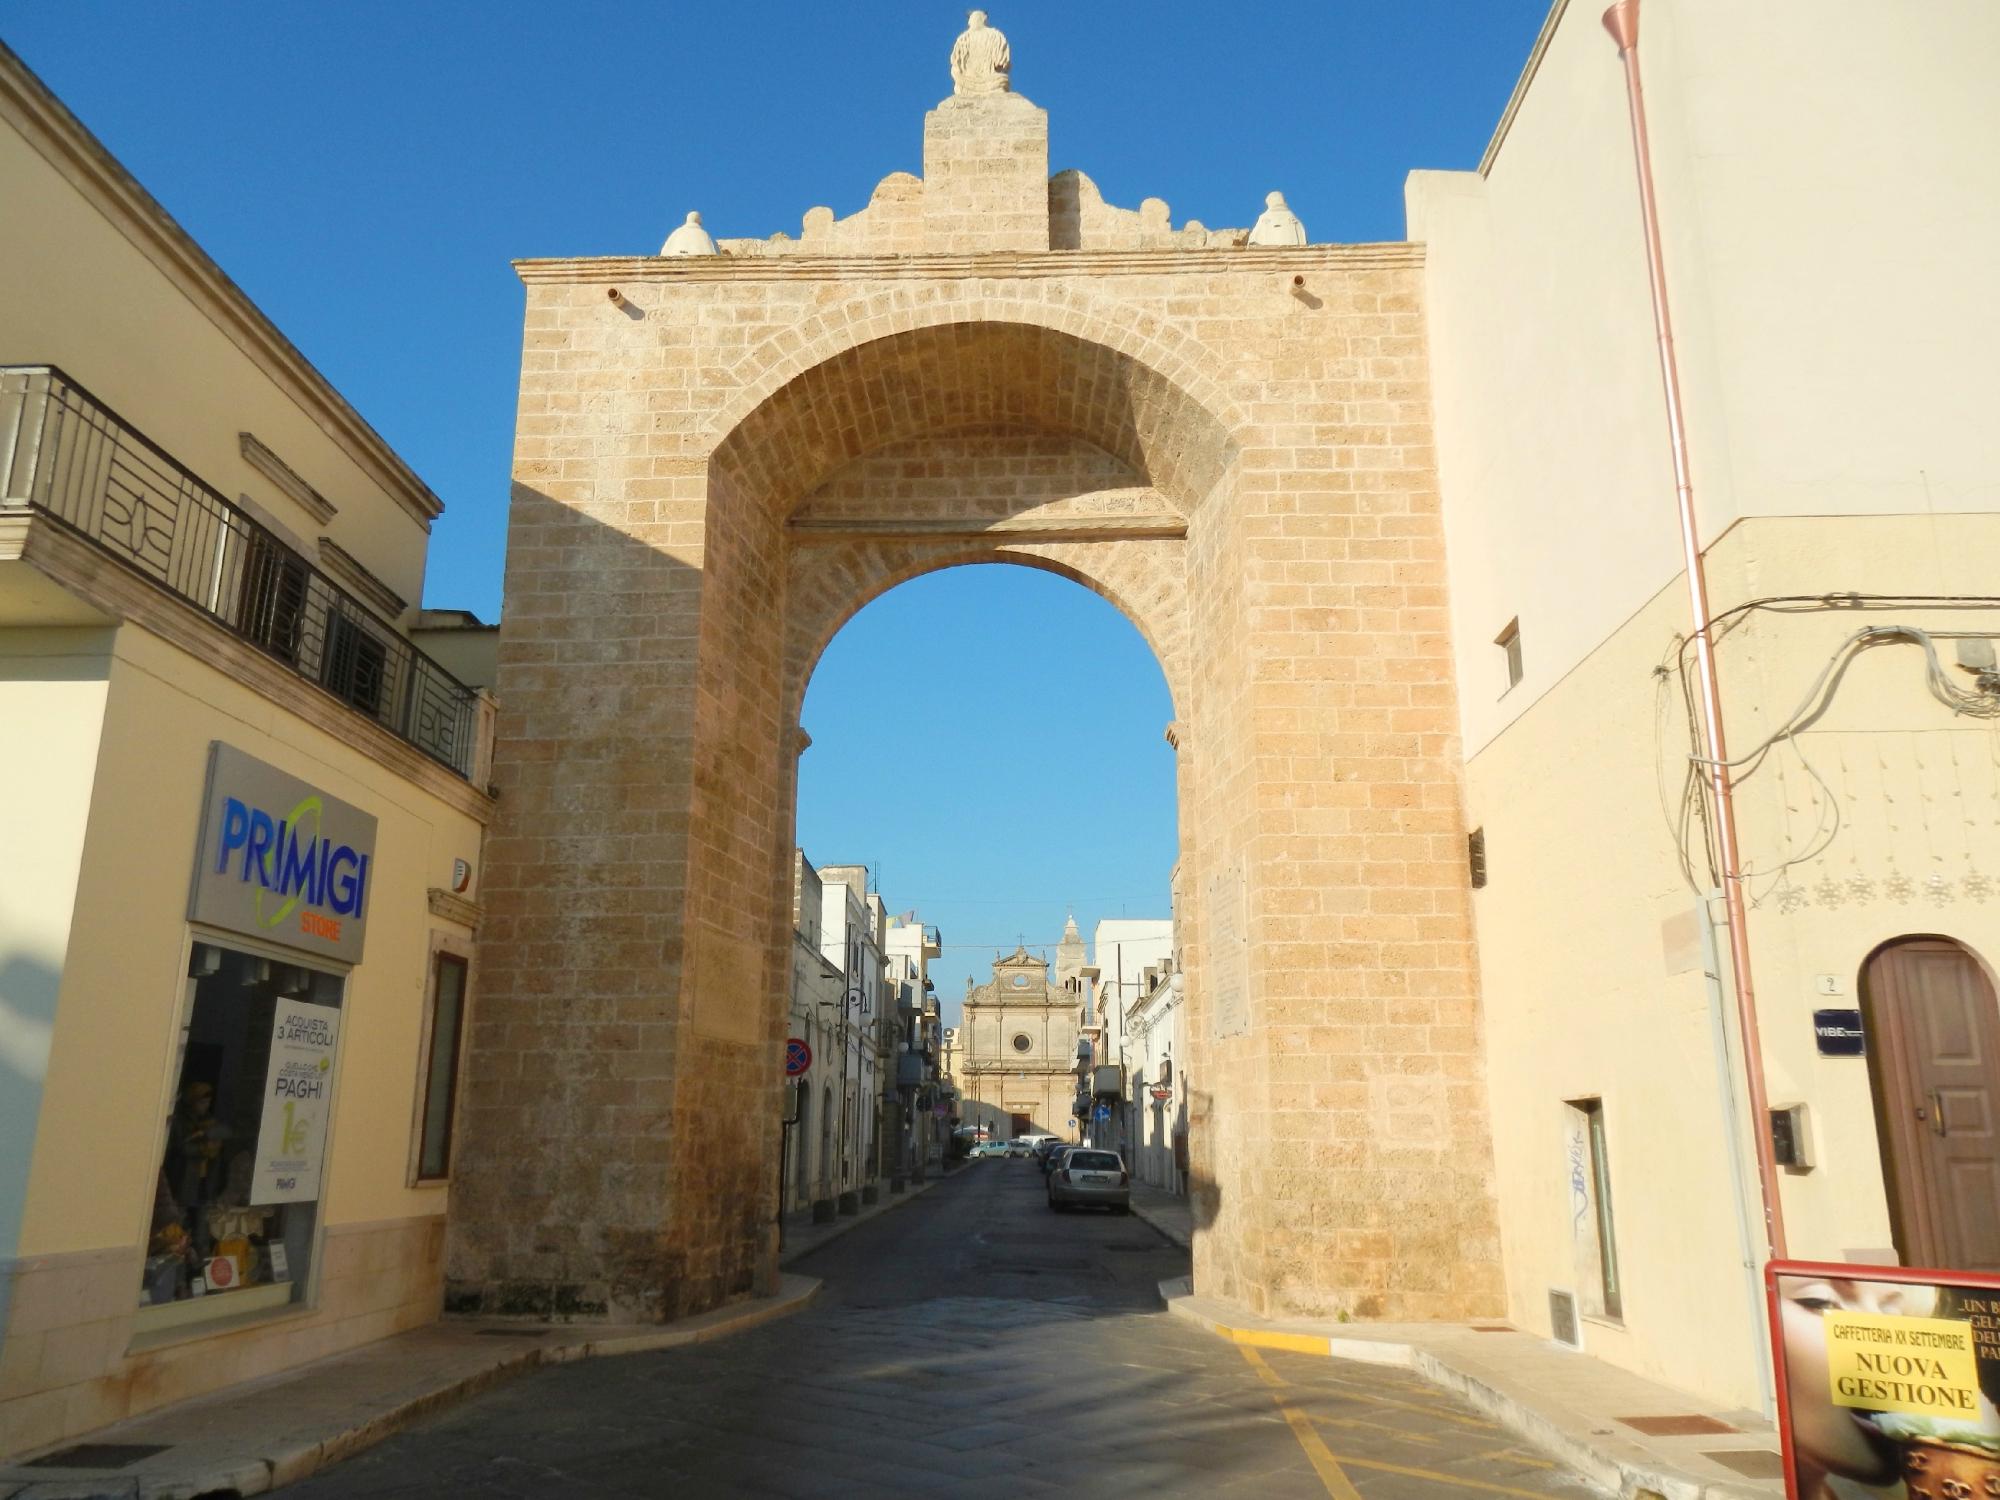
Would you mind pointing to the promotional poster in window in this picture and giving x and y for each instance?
(1888, 1380)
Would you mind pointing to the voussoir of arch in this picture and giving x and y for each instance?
(1144, 582)
(1153, 346)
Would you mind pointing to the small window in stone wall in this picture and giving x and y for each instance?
(1022, 1041)
(1509, 642)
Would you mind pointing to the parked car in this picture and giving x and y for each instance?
(1047, 1152)
(990, 1148)
(1019, 1147)
(1087, 1175)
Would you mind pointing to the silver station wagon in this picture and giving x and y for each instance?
(1087, 1175)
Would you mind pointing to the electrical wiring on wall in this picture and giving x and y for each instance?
(1691, 805)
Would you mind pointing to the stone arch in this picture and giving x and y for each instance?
(1146, 455)
(672, 573)
(1145, 582)
(1138, 340)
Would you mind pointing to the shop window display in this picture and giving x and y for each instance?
(236, 1202)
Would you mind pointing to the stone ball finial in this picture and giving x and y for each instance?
(980, 61)
(690, 239)
(1277, 224)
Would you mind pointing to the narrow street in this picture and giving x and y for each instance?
(970, 1343)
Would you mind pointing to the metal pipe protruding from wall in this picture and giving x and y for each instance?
(1622, 21)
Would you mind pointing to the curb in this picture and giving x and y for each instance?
(255, 1476)
(842, 1226)
(1166, 1232)
(1596, 1465)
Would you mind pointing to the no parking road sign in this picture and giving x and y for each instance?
(798, 1057)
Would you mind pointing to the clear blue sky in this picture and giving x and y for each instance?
(366, 170)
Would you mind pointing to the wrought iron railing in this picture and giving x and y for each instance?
(68, 455)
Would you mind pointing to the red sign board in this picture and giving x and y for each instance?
(1163, 1095)
(798, 1057)
(1886, 1375)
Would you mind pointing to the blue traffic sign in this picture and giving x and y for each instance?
(1103, 1111)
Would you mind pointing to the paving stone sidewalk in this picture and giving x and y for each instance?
(256, 1437)
(1167, 1212)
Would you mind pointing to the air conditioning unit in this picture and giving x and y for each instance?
(1564, 1325)
(1108, 1081)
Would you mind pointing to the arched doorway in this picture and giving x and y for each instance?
(1934, 1062)
(726, 462)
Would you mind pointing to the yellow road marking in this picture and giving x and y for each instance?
(1401, 1435)
(1327, 1464)
(1424, 1410)
(1516, 1456)
(1338, 1485)
(1470, 1484)
(1292, 1343)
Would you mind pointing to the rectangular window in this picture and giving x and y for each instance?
(236, 1203)
(1592, 1232)
(441, 1067)
(356, 663)
(271, 603)
(1509, 642)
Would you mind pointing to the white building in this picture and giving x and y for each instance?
(1129, 956)
(852, 928)
(812, 1104)
(1829, 209)
(1156, 1129)
(914, 1141)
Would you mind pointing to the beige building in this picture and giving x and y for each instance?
(1017, 1071)
(242, 832)
(1830, 209)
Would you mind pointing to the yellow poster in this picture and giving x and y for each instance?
(1925, 1367)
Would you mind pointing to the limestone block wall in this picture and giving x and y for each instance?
(698, 471)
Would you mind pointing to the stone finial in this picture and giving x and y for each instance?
(980, 61)
(689, 239)
(1277, 224)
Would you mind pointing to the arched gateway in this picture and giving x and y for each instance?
(721, 457)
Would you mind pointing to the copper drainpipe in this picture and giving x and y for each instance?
(1622, 21)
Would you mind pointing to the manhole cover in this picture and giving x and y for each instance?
(96, 1456)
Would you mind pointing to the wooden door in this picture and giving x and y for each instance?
(1934, 1053)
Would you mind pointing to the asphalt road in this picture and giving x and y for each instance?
(969, 1344)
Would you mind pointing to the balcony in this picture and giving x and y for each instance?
(67, 457)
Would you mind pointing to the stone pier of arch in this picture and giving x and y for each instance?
(718, 465)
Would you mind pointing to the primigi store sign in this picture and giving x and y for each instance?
(281, 860)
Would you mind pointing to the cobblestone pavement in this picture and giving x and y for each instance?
(972, 1343)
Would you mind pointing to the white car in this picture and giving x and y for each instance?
(1088, 1175)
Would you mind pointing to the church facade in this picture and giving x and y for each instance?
(1018, 1067)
